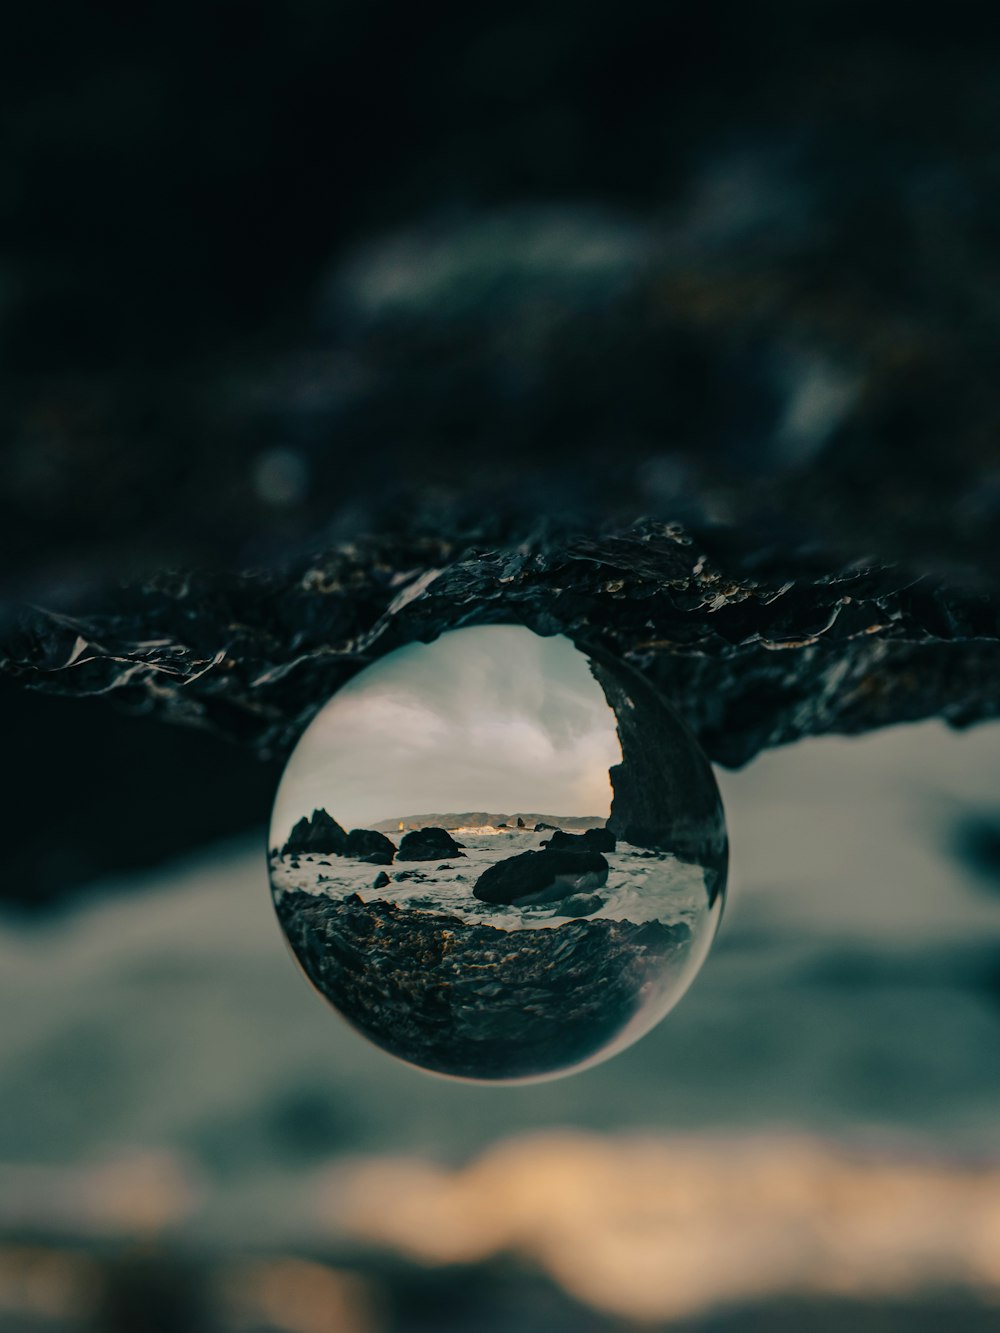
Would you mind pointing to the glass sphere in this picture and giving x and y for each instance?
(498, 858)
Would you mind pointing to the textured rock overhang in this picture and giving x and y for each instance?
(750, 659)
(704, 374)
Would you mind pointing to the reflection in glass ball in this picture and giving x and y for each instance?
(497, 858)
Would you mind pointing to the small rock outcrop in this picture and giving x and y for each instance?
(381, 880)
(542, 828)
(520, 822)
(321, 833)
(596, 839)
(428, 844)
(581, 904)
(368, 845)
(543, 876)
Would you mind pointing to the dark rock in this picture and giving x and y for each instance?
(597, 839)
(502, 826)
(427, 844)
(976, 839)
(321, 833)
(408, 874)
(520, 822)
(861, 546)
(665, 794)
(581, 904)
(381, 880)
(541, 876)
(475, 1000)
(371, 846)
(542, 828)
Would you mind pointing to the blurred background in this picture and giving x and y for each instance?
(191, 1139)
(276, 278)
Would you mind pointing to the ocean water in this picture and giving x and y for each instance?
(642, 886)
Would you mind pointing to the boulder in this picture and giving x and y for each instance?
(546, 876)
(520, 822)
(428, 844)
(581, 904)
(368, 845)
(381, 880)
(321, 834)
(597, 839)
(542, 828)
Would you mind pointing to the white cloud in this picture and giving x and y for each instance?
(487, 718)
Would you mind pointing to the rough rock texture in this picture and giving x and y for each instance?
(474, 1000)
(703, 375)
(752, 655)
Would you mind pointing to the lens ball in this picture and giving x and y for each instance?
(498, 857)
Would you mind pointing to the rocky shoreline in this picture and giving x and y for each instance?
(473, 1001)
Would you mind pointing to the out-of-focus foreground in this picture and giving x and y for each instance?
(192, 1141)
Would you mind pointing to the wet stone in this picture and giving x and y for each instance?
(427, 844)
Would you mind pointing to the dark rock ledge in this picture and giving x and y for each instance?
(754, 649)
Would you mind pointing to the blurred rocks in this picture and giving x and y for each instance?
(701, 375)
(976, 839)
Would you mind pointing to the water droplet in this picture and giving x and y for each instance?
(499, 859)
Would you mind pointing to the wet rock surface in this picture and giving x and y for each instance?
(476, 1001)
(541, 876)
(755, 649)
